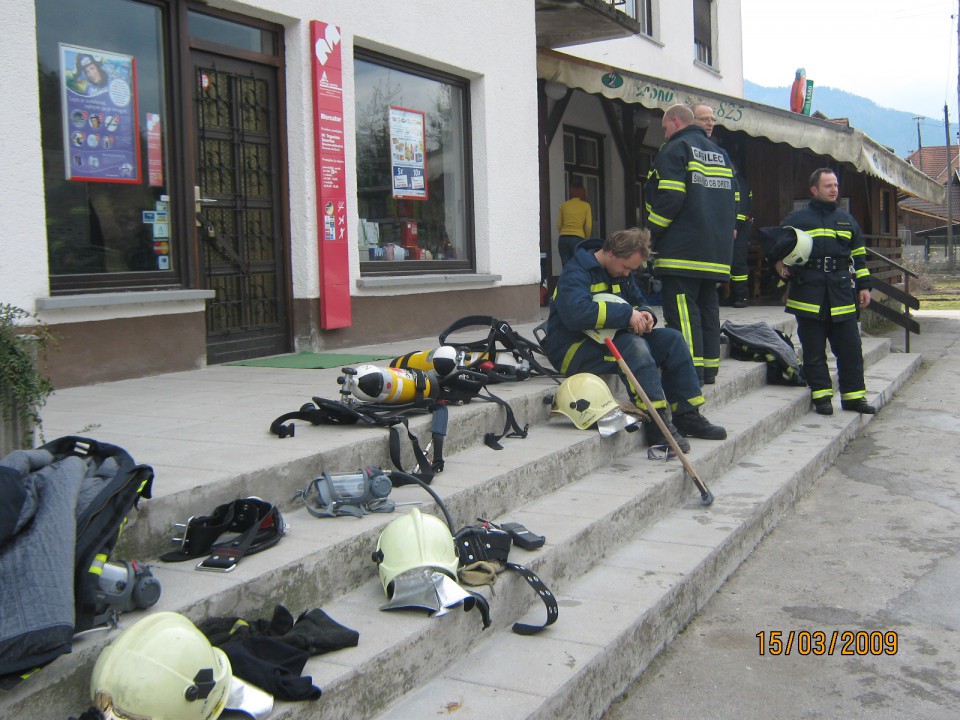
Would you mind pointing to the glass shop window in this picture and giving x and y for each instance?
(105, 139)
(413, 167)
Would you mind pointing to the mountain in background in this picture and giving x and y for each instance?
(894, 128)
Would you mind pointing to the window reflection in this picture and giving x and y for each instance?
(412, 173)
(97, 224)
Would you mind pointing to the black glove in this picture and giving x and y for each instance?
(221, 630)
(316, 633)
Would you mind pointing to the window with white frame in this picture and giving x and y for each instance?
(639, 10)
(703, 31)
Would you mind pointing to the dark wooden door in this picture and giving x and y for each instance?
(240, 229)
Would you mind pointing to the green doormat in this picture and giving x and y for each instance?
(311, 360)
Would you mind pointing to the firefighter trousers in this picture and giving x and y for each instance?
(692, 306)
(739, 269)
(844, 339)
(659, 360)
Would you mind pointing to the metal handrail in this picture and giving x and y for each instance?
(903, 319)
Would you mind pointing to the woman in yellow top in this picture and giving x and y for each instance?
(575, 222)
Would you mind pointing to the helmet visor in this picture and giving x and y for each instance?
(614, 421)
(104, 703)
(249, 699)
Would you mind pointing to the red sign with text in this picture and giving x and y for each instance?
(330, 163)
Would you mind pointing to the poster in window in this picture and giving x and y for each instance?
(100, 134)
(408, 156)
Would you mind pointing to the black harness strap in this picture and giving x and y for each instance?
(553, 611)
(501, 331)
(331, 412)
(258, 525)
(511, 428)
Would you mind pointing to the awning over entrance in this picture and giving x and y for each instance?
(843, 144)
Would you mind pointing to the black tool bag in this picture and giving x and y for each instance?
(761, 342)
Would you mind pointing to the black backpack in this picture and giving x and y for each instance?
(761, 342)
(107, 484)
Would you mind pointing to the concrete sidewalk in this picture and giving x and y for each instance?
(874, 546)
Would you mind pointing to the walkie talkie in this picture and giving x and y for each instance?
(521, 536)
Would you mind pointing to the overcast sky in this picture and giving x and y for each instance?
(902, 54)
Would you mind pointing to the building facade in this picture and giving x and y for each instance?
(199, 183)
(196, 183)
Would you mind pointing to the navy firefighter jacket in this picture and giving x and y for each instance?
(691, 207)
(573, 309)
(825, 289)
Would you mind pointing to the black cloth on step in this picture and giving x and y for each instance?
(272, 665)
(317, 633)
(271, 653)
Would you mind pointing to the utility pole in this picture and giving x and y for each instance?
(917, 119)
(946, 130)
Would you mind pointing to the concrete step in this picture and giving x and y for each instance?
(325, 563)
(651, 576)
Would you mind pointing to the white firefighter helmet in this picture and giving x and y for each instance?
(802, 247)
(602, 333)
(161, 668)
(787, 244)
(584, 398)
(415, 540)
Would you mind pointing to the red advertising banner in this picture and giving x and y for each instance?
(330, 163)
(154, 150)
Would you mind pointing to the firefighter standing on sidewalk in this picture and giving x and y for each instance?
(824, 297)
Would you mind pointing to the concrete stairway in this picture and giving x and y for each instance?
(631, 553)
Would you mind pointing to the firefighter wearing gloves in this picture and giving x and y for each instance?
(657, 356)
(825, 294)
(692, 212)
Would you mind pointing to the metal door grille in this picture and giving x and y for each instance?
(236, 170)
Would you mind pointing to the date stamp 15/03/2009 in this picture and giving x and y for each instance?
(828, 642)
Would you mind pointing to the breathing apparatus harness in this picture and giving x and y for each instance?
(483, 354)
(348, 411)
(255, 524)
(432, 395)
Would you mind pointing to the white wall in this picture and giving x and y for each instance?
(491, 43)
(670, 54)
(23, 248)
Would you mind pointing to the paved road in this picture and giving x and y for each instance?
(873, 547)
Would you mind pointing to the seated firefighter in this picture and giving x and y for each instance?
(596, 290)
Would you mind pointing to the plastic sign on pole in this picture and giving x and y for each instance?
(808, 97)
(330, 164)
(798, 92)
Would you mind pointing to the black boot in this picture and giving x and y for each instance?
(693, 424)
(655, 435)
(861, 406)
(823, 406)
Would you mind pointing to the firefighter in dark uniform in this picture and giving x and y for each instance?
(658, 357)
(743, 196)
(825, 298)
(691, 212)
(739, 270)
